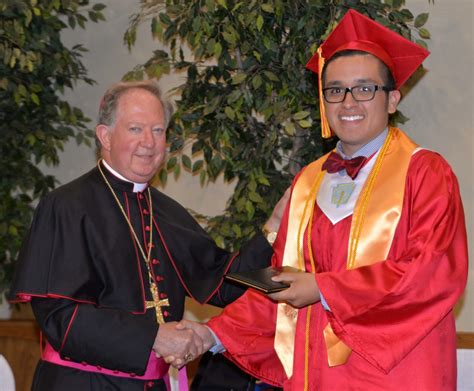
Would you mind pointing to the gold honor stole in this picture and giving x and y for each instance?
(374, 220)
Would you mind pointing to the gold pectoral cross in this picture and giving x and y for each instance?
(157, 303)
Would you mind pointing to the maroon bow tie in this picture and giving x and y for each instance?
(335, 163)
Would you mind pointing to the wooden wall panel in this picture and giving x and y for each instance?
(19, 344)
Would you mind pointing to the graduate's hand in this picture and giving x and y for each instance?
(177, 346)
(201, 330)
(303, 290)
(273, 223)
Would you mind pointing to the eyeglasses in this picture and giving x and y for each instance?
(360, 93)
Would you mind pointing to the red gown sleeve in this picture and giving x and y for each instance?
(246, 327)
(384, 310)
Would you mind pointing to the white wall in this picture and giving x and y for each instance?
(440, 107)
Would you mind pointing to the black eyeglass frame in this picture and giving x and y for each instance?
(349, 89)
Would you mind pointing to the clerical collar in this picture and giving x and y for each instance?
(137, 187)
(368, 149)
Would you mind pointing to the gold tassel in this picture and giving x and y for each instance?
(325, 129)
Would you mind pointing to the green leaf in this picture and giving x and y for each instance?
(35, 99)
(424, 33)
(234, 96)
(237, 230)
(202, 177)
(230, 37)
(163, 177)
(257, 55)
(22, 90)
(238, 78)
(267, 7)
(156, 29)
(271, 76)
(229, 112)
(300, 115)
(250, 209)
(252, 185)
(197, 166)
(421, 19)
(259, 22)
(176, 171)
(164, 18)
(263, 181)
(98, 7)
(422, 43)
(171, 163)
(217, 49)
(255, 197)
(222, 3)
(256, 81)
(304, 123)
(186, 161)
(30, 139)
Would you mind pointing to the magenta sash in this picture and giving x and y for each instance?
(156, 368)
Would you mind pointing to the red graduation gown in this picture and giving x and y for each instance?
(397, 315)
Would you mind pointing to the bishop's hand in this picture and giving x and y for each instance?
(177, 346)
(202, 332)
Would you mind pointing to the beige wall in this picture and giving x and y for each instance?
(440, 107)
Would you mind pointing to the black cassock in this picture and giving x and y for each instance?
(88, 282)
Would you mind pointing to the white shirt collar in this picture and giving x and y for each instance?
(368, 149)
(137, 187)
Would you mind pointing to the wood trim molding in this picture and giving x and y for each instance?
(465, 340)
(21, 329)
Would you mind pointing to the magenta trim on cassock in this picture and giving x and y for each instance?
(156, 368)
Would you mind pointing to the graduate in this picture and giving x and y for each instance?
(377, 231)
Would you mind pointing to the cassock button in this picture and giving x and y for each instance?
(150, 384)
(99, 368)
(145, 211)
(163, 295)
(83, 363)
(150, 245)
(132, 374)
(140, 196)
(147, 228)
(67, 358)
(159, 278)
(155, 261)
(166, 313)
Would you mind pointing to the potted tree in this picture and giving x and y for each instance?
(35, 120)
(247, 108)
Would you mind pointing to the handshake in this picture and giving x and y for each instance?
(181, 342)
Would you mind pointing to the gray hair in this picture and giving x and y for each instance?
(108, 104)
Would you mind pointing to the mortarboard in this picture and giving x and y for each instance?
(358, 32)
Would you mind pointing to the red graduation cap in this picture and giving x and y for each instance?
(358, 32)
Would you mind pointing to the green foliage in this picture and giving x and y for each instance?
(35, 120)
(248, 109)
